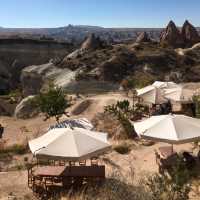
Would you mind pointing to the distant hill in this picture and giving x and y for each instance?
(78, 33)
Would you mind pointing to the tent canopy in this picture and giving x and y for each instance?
(160, 92)
(179, 94)
(68, 144)
(173, 129)
(151, 94)
(168, 85)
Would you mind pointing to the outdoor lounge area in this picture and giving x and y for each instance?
(66, 159)
(174, 130)
(50, 179)
(167, 158)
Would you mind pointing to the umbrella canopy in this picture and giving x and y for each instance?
(68, 144)
(179, 94)
(74, 123)
(173, 129)
(160, 84)
(151, 94)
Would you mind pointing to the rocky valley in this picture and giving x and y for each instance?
(17, 53)
(98, 65)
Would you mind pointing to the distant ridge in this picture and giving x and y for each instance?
(78, 33)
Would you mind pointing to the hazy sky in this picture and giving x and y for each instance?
(107, 13)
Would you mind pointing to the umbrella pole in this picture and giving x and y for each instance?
(172, 148)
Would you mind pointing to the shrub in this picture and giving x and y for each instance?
(140, 80)
(124, 113)
(173, 187)
(53, 103)
(16, 149)
(122, 148)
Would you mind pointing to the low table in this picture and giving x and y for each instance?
(49, 171)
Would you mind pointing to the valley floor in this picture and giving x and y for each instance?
(140, 160)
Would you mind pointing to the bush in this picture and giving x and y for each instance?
(53, 103)
(170, 187)
(124, 113)
(122, 148)
(140, 80)
(15, 149)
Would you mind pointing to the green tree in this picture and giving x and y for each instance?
(53, 103)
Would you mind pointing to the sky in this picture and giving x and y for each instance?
(106, 13)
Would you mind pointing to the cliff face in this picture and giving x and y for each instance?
(29, 51)
(15, 54)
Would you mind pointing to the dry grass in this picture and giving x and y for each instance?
(114, 188)
(15, 149)
(109, 124)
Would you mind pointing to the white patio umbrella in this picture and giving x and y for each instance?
(166, 85)
(67, 144)
(179, 94)
(172, 129)
(151, 94)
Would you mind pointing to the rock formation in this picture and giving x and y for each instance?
(26, 108)
(92, 42)
(143, 37)
(171, 36)
(17, 53)
(35, 77)
(189, 34)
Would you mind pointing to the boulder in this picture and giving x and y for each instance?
(171, 36)
(143, 37)
(36, 77)
(26, 108)
(7, 106)
(189, 34)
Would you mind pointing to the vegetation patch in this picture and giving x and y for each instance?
(53, 103)
(124, 112)
(122, 148)
(15, 149)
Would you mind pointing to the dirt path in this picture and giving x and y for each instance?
(14, 183)
(98, 103)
